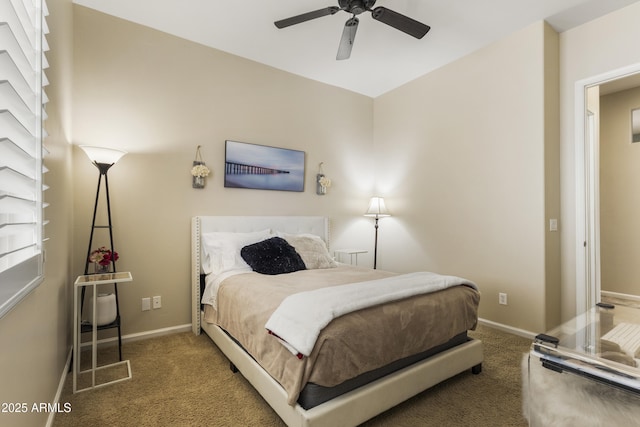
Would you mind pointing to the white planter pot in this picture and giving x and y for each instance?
(105, 309)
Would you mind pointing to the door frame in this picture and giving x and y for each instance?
(587, 192)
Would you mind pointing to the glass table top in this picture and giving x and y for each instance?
(103, 278)
(602, 343)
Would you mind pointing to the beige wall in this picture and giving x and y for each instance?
(158, 97)
(460, 154)
(35, 335)
(592, 49)
(619, 195)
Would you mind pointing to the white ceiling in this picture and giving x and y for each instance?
(382, 59)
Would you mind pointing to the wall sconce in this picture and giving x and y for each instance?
(322, 182)
(199, 171)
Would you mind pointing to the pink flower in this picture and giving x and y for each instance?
(103, 256)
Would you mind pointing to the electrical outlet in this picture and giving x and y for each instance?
(502, 298)
(146, 304)
(157, 302)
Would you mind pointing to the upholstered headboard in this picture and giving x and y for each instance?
(317, 225)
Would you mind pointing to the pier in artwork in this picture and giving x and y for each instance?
(242, 169)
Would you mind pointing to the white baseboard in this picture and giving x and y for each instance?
(619, 295)
(143, 335)
(156, 333)
(63, 379)
(507, 328)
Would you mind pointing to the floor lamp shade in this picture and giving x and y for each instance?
(103, 156)
(377, 209)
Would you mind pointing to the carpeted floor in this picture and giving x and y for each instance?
(184, 380)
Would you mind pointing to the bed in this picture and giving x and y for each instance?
(311, 389)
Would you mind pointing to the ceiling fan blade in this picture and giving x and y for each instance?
(348, 36)
(306, 16)
(400, 22)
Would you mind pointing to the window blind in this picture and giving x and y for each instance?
(22, 112)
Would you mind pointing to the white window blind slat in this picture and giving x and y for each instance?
(17, 159)
(15, 16)
(13, 132)
(15, 209)
(16, 228)
(20, 57)
(19, 49)
(10, 101)
(17, 241)
(22, 99)
(28, 10)
(13, 183)
(9, 72)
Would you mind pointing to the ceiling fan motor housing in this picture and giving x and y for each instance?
(356, 6)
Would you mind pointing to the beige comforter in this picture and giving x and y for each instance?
(350, 345)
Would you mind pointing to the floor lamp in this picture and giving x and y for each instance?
(103, 159)
(377, 210)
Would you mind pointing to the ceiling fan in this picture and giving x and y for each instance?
(356, 7)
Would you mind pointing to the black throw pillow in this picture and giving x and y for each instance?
(272, 256)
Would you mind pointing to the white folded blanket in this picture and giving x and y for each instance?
(301, 317)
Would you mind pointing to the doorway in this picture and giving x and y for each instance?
(587, 163)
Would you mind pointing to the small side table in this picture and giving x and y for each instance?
(93, 280)
(353, 253)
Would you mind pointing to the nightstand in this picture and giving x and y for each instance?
(81, 282)
(353, 253)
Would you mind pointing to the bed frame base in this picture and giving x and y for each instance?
(361, 404)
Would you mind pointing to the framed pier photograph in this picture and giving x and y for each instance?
(262, 167)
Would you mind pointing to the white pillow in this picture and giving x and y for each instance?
(223, 249)
(311, 249)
